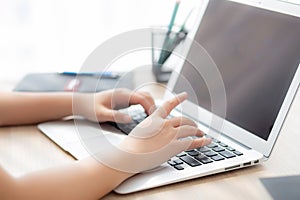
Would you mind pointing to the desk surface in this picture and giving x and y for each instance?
(24, 149)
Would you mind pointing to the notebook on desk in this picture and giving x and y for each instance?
(67, 82)
(255, 47)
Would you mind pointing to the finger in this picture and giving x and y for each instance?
(152, 107)
(196, 143)
(187, 131)
(144, 99)
(179, 121)
(120, 98)
(169, 105)
(115, 116)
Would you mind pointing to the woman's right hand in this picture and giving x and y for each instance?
(158, 139)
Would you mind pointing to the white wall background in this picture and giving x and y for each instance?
(57, 35)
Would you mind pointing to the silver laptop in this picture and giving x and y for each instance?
(256, 48)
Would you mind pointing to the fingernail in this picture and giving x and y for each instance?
(152, 109)
(182, 94)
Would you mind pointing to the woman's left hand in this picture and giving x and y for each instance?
(103, 106)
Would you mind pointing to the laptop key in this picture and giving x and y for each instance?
(143, 115)
(203, 159)
(193, 153)
(238, 153)
(208, 136)
(212, 145)
(126, 128)
(178, 161)
(223, 144)
(181, 154)
(230, 148)
(172, 163)
(135, 117)
(179, 167)
(190, 161)
(210, 153)
(140, 120)
(216, 141)
(218, 149)
(227, 154)
(203, 149)
(217, 158)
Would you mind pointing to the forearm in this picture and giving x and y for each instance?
(86, 179)
(28, 108)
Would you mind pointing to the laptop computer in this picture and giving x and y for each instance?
(255, 46)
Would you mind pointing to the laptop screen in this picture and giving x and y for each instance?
(257, 53)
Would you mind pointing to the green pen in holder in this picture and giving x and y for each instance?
(164, 41)
(163, 44)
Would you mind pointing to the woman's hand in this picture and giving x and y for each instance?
(103, 106)
(158, 138)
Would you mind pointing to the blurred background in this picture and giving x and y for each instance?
(58, 35)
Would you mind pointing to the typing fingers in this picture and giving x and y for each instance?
(179, 121)
(195, 143)
(169, 105)
(145, 99)
(187, 131)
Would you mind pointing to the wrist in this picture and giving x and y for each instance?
(100, 172)
(83, 105)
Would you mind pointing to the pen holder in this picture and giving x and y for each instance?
(164, 42)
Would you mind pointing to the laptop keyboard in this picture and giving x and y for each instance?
(214, 152)
(137, 117)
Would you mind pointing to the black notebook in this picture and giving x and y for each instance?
(285, 187)
(56, 82)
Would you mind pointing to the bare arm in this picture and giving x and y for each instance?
(88, 178)
(28, 108)
(85, 179)
(17, 108)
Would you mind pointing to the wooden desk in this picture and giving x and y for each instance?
(24, 149)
